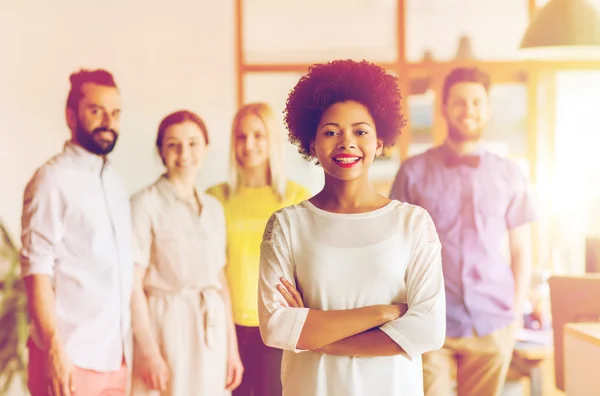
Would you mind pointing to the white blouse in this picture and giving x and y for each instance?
(343, 261)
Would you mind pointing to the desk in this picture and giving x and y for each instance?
(527, 362)
(582, 354)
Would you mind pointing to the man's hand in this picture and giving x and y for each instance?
(59, 373)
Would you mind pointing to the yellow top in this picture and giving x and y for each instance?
(246, 215)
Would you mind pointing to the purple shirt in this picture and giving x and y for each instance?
(473, 207)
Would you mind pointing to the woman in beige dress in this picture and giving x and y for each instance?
(185, 339)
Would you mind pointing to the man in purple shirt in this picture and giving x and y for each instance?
(482, 209)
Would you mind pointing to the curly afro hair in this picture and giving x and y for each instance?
(341, 81)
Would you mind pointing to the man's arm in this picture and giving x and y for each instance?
(520, 260)
(42, 227)
(520, 216)
(40, 303)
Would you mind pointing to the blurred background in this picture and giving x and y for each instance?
(212, 56)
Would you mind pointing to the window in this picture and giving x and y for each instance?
(574, 191)
(444, 30)
(508, 126)
(421, 103)
(312, 31)
(577, 137)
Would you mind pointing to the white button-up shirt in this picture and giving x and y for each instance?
(76, 228)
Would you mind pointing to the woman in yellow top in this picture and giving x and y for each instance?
(257, 187)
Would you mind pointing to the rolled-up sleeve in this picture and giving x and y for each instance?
(42, 225)
(423, 327)
(280, 325)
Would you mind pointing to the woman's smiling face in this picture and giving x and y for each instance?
(346, 141)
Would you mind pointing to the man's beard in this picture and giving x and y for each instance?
(459, 136)
(87, 141)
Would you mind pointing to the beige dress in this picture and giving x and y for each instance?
(184, 253)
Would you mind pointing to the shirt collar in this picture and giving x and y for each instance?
(168, 190)
(447, 152)
(452, 159)
(84, 157)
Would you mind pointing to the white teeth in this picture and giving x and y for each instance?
(346, 160)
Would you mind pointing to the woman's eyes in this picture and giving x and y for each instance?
(360, 132)
(177, 145)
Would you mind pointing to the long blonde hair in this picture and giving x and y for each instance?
(276, 159)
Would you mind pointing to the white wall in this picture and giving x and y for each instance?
(164, 55)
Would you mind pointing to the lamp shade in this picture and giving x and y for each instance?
(564, 23)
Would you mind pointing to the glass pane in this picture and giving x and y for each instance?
(421, 104)
(319, 30)
(385, 167)
(449, 29)
(507, 131)
(575, 191)
(273, 88)
(577, 137)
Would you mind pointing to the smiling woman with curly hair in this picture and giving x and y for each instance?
(341, 81)
(350, 282)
